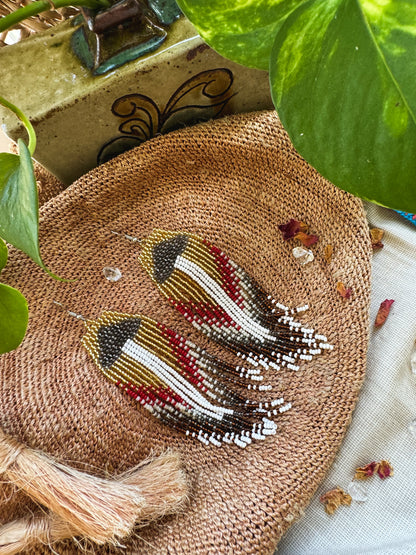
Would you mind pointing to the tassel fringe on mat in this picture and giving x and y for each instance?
(82, 505)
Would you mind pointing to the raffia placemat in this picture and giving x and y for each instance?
(48, 185)
(231, 181)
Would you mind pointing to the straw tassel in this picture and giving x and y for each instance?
(21, 535)
(98, 509)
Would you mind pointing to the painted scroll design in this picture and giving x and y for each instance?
(203, 97)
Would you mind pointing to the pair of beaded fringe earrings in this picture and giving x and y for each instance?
(185, 386)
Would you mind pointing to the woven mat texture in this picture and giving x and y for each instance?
(49, 186)
(231, 181)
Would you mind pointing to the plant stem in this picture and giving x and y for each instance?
(29, 127)
(43, 5)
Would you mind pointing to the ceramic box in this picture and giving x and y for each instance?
(82, 119)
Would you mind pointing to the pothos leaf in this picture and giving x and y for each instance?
(343, 77)
(241, 30)
(13, 318)
(3, 254)
(19, 203)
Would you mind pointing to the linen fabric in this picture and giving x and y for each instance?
(232, 181)
(385, 523)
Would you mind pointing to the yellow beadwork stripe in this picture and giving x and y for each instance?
(150, 337)
(198, 252)
(136, 373)
(180, 287)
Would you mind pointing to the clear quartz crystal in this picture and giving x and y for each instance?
(412, 427)
(413, 360)
(112, 274)
(303, 256)
(357, 492)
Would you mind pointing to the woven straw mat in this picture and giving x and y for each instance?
(231, 181)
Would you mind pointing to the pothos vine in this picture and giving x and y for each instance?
(19, 220)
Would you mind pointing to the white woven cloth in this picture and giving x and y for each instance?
(386, 523)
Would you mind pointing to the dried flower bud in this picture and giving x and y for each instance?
(383, 312)
(382, 468)
(343, 291)
(292, 227)
(385, 470)
(329, 249)
(305, 239)
(364, 472)
(376, 237)
(334, 499)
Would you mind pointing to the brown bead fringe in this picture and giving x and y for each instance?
(98, 509)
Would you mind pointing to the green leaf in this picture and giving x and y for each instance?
(13, 318)
(241, 30)
(19, 203)
(343, 77)
(3, 254)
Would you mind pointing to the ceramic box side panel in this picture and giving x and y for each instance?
(196, 85)
(42, 73)
(82, 120)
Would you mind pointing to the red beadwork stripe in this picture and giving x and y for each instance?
(187, 363)
(230, 282)
(152, 395)
(210, 314)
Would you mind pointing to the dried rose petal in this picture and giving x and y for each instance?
(377, 246)
(305, 239)
(364, 472)
(343, 291)
(383, 312)
(329, 249)
(292, 227)
(385, 469)
(376, 237)
(335, 498)
(382, 468)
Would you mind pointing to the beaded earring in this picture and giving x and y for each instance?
(220, 299)
(178, 382)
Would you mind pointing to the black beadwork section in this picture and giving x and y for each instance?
(112, 338)
(165, 255)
